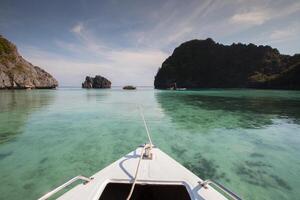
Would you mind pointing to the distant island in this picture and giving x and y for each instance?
(97, 82)
(17, 73)
(129, 87)
(207, 64)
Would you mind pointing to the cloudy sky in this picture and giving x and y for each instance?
(127, 40)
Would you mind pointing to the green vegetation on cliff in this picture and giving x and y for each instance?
(5, 46)
(206, 64)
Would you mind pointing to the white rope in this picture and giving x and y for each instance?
(146, 127)
(142, 153)
(136, 173)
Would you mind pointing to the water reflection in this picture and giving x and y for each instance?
(97, 94)
(208, 111)
(16, 106)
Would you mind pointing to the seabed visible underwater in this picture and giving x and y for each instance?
(249, 140)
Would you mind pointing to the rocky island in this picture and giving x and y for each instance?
(207, 64)
(17, 73)
(129, 87)
(97, 82)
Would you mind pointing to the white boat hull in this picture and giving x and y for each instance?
(161, 170)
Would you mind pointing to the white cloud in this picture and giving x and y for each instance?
(167, 26)
(282, 34)
(134, 65)
(285, 34)
(87, 39)
(127, 66)
(77, 29)
(176, 25)
(261, 13)
(251, 18)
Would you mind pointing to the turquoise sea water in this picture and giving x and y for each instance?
(249, 140)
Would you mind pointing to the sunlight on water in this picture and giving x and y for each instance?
(249, 140)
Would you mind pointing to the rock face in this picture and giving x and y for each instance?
(97, 82)
(17, 73)
(206, 64)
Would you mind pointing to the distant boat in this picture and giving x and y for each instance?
(146, 173)
(174, 87)
(129, 87)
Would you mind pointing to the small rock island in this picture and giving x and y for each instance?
(207, 64)
(17, 73)
(97, 82)
(129, 87)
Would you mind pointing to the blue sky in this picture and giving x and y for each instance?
(127, 40)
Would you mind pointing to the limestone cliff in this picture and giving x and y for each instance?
(17, 73)
(97, 82)
(207, 64)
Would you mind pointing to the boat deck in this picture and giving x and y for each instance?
(160, 170)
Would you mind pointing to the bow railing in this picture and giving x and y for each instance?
(205, 183)
(66, 184)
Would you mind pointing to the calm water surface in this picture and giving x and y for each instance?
(249, 140)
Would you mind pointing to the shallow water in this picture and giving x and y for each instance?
(249, 140)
